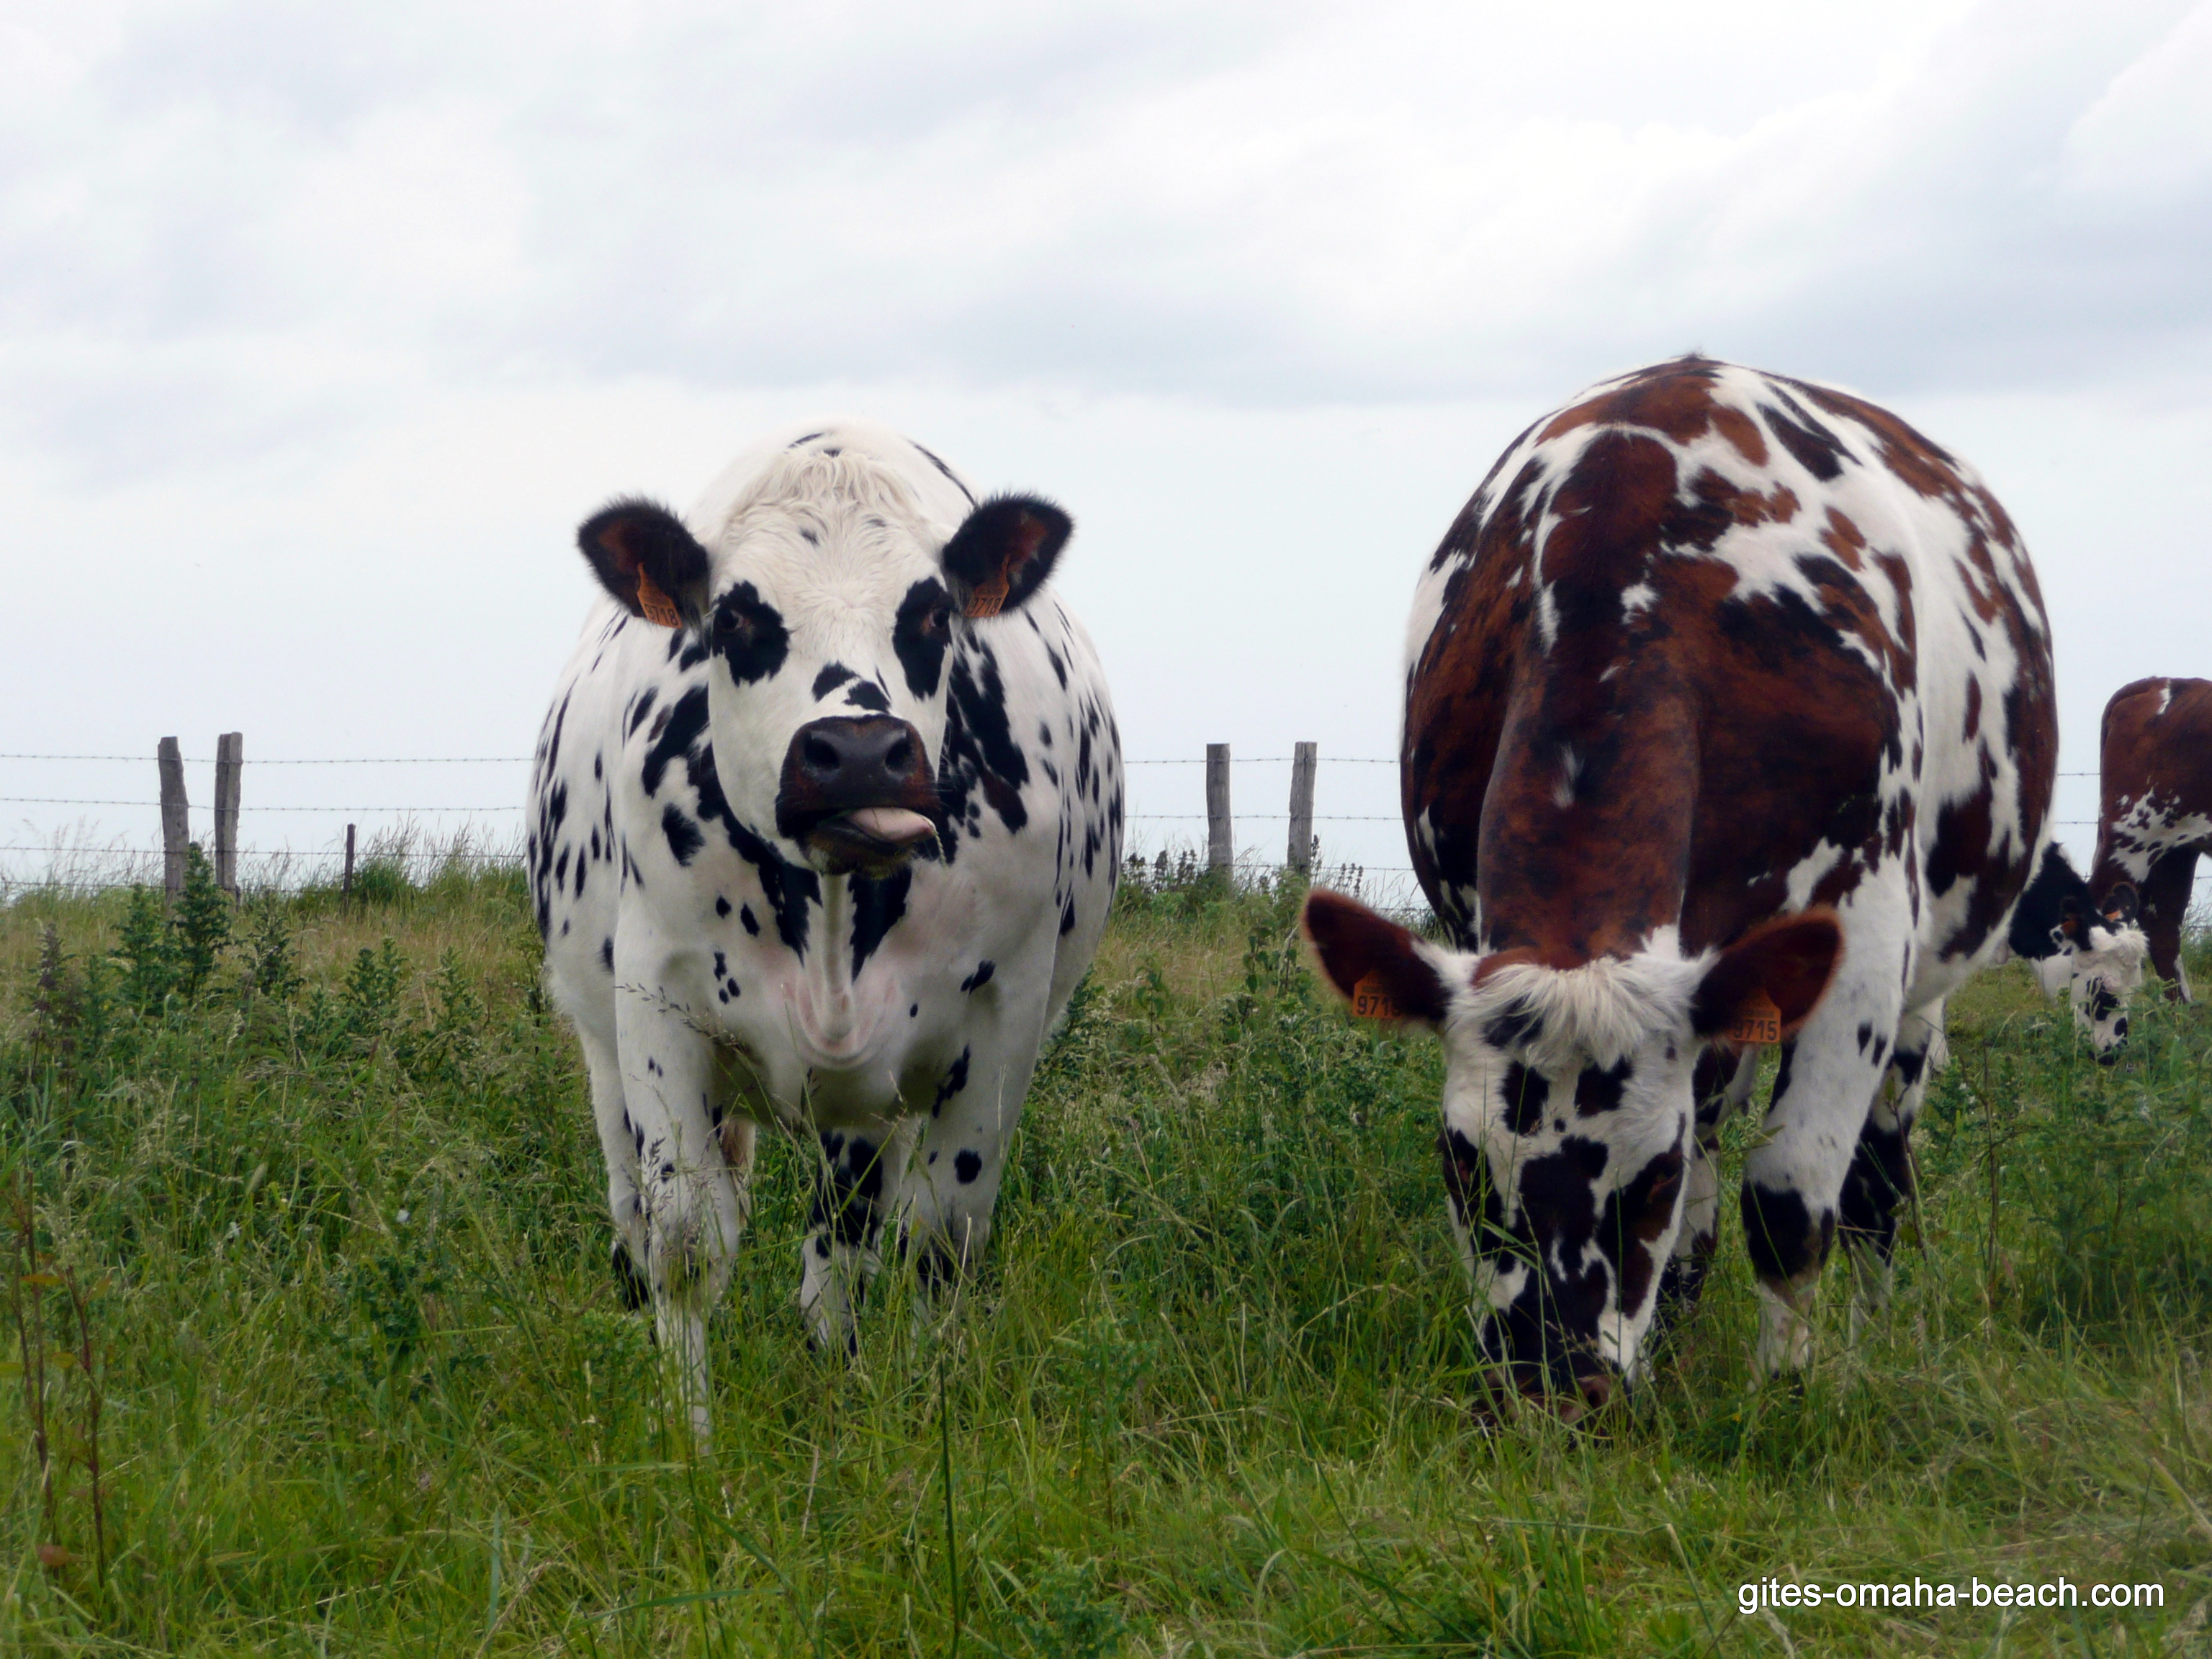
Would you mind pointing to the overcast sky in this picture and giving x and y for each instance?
(319, 332)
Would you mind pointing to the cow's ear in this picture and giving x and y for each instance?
(1381, 969)
(1003, 553)
(2119, 905)
(648, 561)
(2072, 928)
(1766, 984)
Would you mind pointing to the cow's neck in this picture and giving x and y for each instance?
(836, 1012)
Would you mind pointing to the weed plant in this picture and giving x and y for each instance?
(325, 1179)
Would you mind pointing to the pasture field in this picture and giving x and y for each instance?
(366, 1385)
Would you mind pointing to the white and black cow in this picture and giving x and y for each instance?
(827, 815)
(1728, 721)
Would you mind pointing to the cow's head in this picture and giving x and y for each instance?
(2104, 951)
(1567, 1114)
(828, 604)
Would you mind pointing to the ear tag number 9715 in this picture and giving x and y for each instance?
(1371, 1000)
(1758, 1021)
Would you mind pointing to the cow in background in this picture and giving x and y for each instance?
(1728, 721)
(2154, 810)
(826, 817)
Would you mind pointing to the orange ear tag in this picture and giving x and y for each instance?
(657, 606)
(1760, 1021)
(987, 600)
(1371, 1000)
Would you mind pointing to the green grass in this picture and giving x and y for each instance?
(1210, 1396)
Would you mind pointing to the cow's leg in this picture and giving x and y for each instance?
(1880, 1176)
(1794, 1180)
(855, 1200)
(1721, 1084)
(951, 1187)
(694, 1212)
(2165, 904)
(620, 1145)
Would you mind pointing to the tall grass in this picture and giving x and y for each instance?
(369, 1387)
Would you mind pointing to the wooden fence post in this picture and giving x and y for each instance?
(229, 764)
(176, 821)
(345, 891)
(1220, 841)
(1304, 757)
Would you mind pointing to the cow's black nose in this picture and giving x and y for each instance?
(863, 760)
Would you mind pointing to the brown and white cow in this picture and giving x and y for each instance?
(2154, 815)
(1728, 720)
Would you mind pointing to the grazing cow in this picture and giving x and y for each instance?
(827, 815)
(2155, 814)
(2092, 955)
(1728, 721)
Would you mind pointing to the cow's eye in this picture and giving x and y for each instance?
(734, 620)
(936, 621)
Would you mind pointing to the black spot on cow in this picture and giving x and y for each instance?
(1635, 1213)
(967, 1165)
(642, 707)
(721, 905)
(876, 907)
(1909, 1065)
(1880, 1178)
(636, 1291)
(1597, 1091)
(981, 977)
(1780, 1235)
(920, 632)
(1866, 1036)
(1525, 1094)
(685, 839)
(979, 757)
(748, 634)
(913, 1010)
(1517, 1023)
(1067, 915)
(2043, 905)
(745, 915)
(1789, 1052)
(867, 694)
(956, 1079)
(1546, 1334)
(833, 676)
(680, 728)
(607, 955)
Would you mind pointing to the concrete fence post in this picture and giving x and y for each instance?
(1220, 840)
(1304, 758)
(176, 819)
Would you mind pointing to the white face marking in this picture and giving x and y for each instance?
(1541, 1033)
(833, 544)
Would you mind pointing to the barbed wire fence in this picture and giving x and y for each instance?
(421, 838)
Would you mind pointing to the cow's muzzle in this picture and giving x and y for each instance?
(858, 795)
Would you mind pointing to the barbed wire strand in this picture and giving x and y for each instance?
(525, 760)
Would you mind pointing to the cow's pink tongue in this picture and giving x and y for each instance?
(894, 824)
